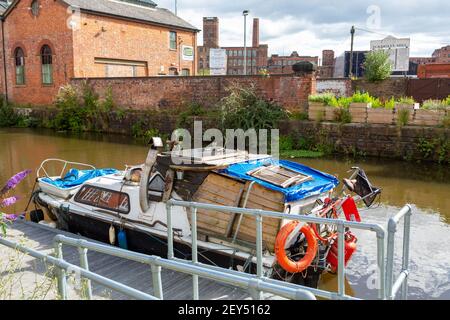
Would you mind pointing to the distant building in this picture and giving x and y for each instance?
(48, 42)
(283, 64)
(442, 55)
(256, 53)
(326, 70)
(342, 64)
(434, 70)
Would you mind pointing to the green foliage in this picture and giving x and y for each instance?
(446, 121)
(292, 147)
(447, 101)
(403, 117)
(325, 98)
(141, 131)
(377, 66)
(389, 104)
(426, 147)
(343, 115)
(8, 118)
(406, 100)
(192, 109)
(434, 104)
(287, 143)
(244, 109)
(298, 115)
(296, 154)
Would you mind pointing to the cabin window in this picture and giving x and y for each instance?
(104, 199)
(279, 176)
(156, 188)
(185, 72)
(19, 58)
(47, 65)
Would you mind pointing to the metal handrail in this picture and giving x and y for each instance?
(65, 162)
(260, 214)
(392, 286)
(242, 280)
(64, 267)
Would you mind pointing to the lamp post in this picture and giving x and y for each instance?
(245, 14)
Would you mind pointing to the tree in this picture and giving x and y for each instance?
(377, 66)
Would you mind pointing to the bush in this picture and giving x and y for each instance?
(8, 118)
(343, 115)
(403, 117)
(326, 98)
(377, 66)
(243, 109)
(192, 109)
(406, 100)
(433, 104)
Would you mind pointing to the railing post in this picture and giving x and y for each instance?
(194, 251)
(170, 254)
(61, 273)
(406, 241)
(341, 258)
(259, 250)
(86, 283)
(392, 229)
(157, 282)
(381, 266)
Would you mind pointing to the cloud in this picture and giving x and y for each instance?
(311, 26)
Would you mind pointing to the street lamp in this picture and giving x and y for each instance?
(245, 14)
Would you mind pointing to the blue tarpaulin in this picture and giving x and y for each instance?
(76, 177)
(321, 182)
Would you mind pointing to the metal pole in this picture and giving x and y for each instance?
(176, 7)
(194, 251)
(85, 265)
(157, 282)
(352, 32)
(170, 254)
(392, 229)
(381, 269)
(341, 259)
(62, 278)
(406, 241)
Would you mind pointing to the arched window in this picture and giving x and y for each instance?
(19, 59)
(47, 65)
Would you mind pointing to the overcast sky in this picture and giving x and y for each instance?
(311, 26)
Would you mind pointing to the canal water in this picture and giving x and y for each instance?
(425, 186)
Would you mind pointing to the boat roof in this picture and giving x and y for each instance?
(310, 182)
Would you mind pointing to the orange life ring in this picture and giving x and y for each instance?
(284, 261)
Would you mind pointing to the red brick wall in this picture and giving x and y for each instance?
(441, 70)
(168, 93)
(31, 33)
(108, 38)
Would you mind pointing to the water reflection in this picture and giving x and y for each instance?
(424, 185)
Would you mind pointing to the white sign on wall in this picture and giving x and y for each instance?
(218, 62)
(398, 50)
(188, 53)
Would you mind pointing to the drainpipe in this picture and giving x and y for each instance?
(5, 99)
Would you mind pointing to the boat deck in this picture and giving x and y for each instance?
(176, 286)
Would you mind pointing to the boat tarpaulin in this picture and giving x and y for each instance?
(320, 183)
(75, 177)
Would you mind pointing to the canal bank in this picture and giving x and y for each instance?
(423, 185)
(376, 140)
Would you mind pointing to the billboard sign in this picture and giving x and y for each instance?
(398, 49)
(188, 53)
(218, 62)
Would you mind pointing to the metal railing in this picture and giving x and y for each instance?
(64, 162)
(64, 267)
(383, 266)
(402, 280)
(241, 280)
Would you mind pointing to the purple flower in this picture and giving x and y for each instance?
(10, 217)
(14, 181)
(8, 202)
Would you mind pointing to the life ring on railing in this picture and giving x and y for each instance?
(283, 260)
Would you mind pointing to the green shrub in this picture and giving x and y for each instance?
(298, 115)
(377, 66)
(447, 101)
(403, 117)
(326, 98)
(8, 117)
(406, 100)
(287, 143)
(243, 109)
(389, 104)
(343, 115)
(192, 109)
(433, 104)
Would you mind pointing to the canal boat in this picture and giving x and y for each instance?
(127, 208)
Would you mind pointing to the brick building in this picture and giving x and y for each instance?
(326, 70)
(256, 53)
(442, 55)
(48, 42)
(283, 64)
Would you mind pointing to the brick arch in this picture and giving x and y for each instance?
(21, 46)
(43, 43)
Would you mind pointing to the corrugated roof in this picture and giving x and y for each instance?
(128, 9)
